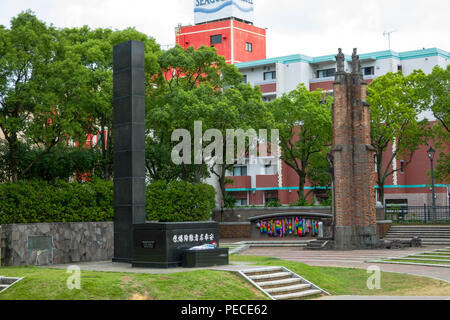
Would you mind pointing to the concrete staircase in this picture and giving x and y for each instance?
(430, 235)
(279, 283)
(6, 282)
(319, 245)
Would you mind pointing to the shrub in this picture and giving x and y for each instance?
(179, 201)
(59, 201)
(40, 201)
(273, 203)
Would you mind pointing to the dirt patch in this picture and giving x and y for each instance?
(138, 296)
(437, 290)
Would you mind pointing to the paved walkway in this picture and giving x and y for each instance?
(356, 259)
(380, 298)
(108, 266)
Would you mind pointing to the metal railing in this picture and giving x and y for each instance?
(418, 214)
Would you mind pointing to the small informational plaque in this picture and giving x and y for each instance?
(148, 244)
(40, 250)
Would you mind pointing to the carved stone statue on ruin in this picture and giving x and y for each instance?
(340, 59)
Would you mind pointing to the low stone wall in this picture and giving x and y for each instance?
(2, 247)
(56, 243)
(235, 230)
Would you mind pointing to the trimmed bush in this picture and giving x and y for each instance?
(179, 201)
(40, 201)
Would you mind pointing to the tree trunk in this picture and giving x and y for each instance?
(302, 182)
(380, 179)
(14, 157)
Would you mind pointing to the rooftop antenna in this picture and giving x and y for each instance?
(388, 34)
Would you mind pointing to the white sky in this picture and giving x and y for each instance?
(312, 28)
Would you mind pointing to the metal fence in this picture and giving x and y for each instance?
(417, 214)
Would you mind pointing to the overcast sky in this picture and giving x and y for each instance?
(312, 28)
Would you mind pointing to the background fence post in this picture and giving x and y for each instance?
(425, 212)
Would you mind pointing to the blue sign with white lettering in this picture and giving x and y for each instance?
(211, 10)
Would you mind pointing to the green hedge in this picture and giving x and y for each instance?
(179, 201)
(40, 201)
(60, 201)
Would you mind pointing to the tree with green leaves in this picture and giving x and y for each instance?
(95, 48)
(187, 89)
(305, 126)
(395, 105)
(437, 88)
(239, 107)
(41, 84)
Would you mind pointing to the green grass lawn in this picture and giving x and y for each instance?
(50, 284)
(430, 257)
(346, 281)
(419, 261)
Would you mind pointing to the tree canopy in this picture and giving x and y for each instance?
(396, 102)
(304, 121)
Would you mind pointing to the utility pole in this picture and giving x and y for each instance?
(431, 153)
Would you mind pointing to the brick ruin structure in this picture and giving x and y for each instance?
(352, 156)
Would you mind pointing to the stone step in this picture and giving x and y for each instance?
(420, 232)
(285, 290)
(279, 283)
(262, 271)
(4, 285)
(420, 259)
(297, 295)
(7, 281)
(420, 228)
(420, 237)
(435, 243)
(278, 275)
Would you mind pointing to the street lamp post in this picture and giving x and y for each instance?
(431, 153)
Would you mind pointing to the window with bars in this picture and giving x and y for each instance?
(368, 71)
(240, 171)
(216, 39)
(271, 75)
(326, 73)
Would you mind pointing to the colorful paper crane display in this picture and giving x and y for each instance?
(289, 226)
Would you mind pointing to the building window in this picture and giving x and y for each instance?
(216, 39)
(399, 67)
(240, 171)
(244, 78)
(271, 75)
(368, 71)
(402, 166)
(241, 202)
(270, 169)
(268, 99)
(327, 73)
(249, 47)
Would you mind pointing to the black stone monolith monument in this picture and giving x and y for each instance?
(129, 145)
